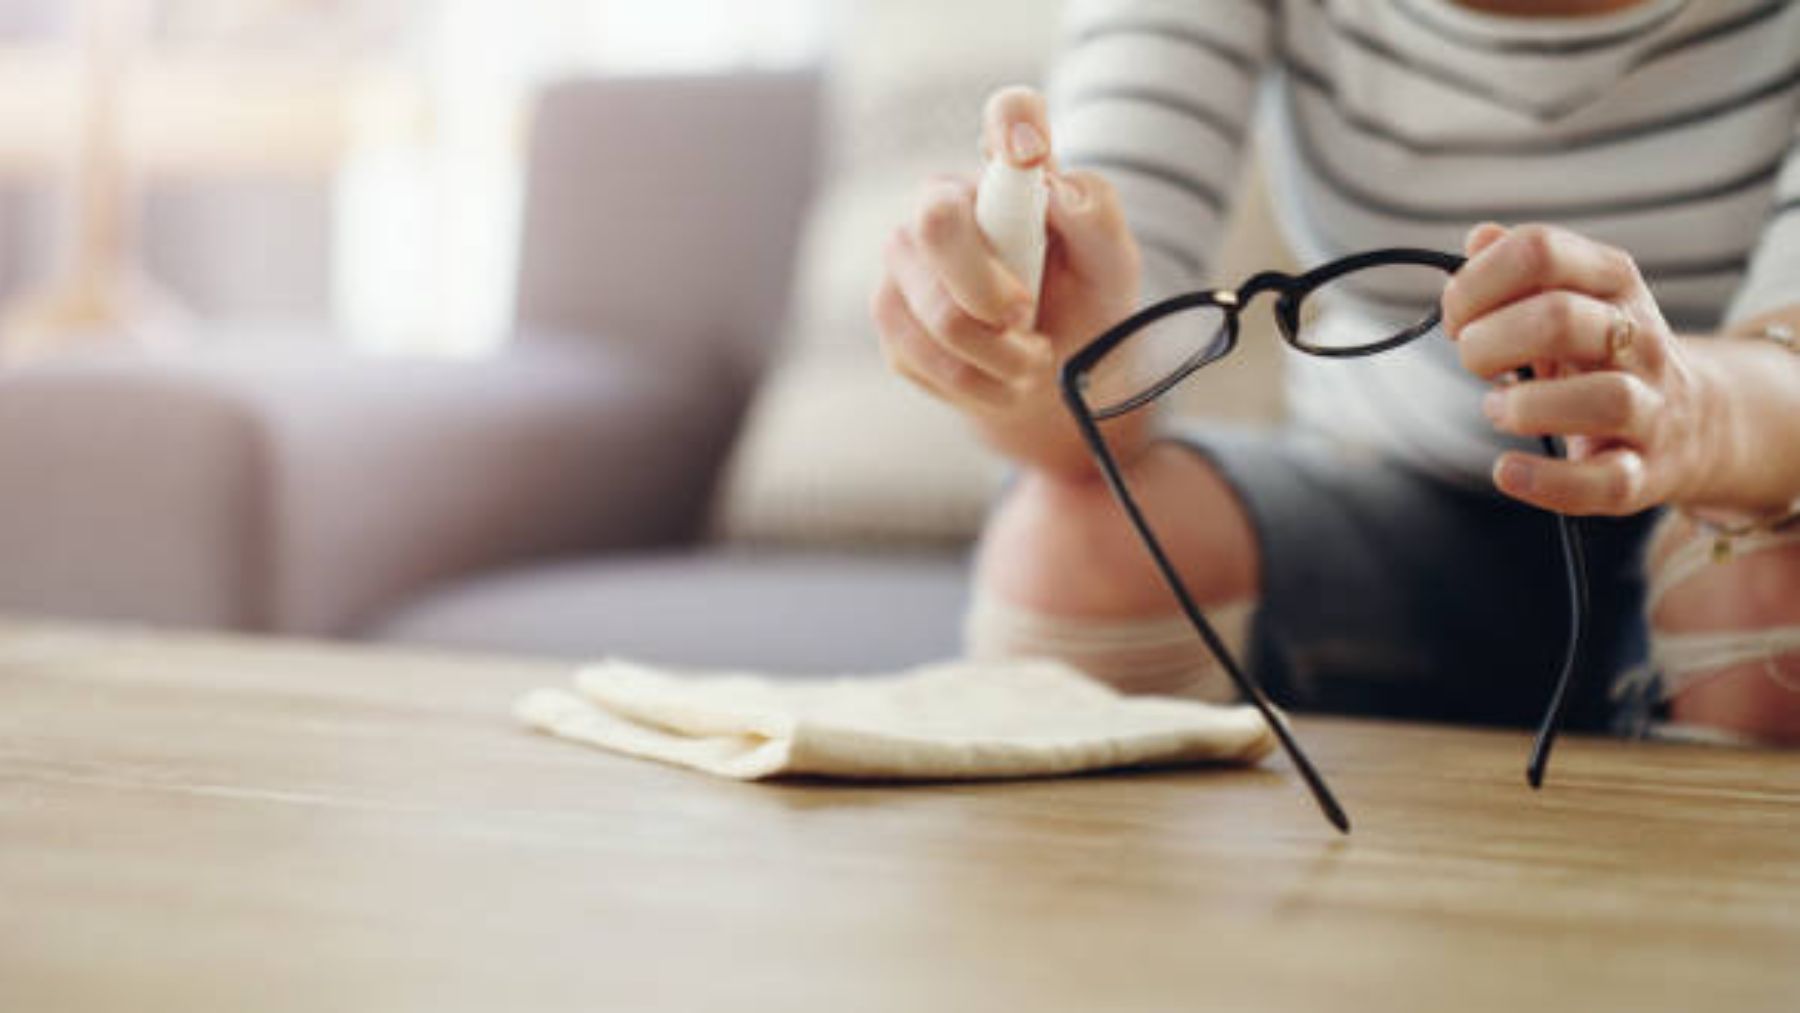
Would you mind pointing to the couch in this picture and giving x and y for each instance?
(550, 499)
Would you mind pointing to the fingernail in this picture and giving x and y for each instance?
(1513, 475)
(1026, 143)
(1493, 405)
(1470, 236)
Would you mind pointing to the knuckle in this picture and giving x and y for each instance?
(1615, 402)
(913, 357)
(1472, 349)
(894, 247)
(1535, 246)
(1610, 494)
(1620, 269)
(1099, 190)
(880, 303)
(888, 308)
(961, 378)
(948, 321)
(896, 345)
(939, 219)
(1638, 403)
(1454, 315)
(895, 351)
(1558, 312)
(1622, 484)
(911, 375)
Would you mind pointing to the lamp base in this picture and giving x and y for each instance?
(123, 310)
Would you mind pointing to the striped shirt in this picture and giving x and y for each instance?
(1670, 129)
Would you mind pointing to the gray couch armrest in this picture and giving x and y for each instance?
(311, 491)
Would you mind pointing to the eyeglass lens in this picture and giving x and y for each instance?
(1370, 307)
(1157, 354)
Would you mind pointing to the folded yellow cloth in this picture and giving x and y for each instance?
(955, 720)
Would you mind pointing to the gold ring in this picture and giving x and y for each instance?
(1619, 333)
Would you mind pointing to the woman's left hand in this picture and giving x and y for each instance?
(1608, 374)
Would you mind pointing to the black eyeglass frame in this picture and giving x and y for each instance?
(1290, 292)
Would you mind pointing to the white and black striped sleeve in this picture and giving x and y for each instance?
(1773, 279)
(1157, 95)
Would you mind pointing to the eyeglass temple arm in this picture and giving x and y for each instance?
(1315, 782)
(1570, 535)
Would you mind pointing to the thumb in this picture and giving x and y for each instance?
(1016, 126)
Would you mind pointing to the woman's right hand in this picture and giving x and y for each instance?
(953, 320)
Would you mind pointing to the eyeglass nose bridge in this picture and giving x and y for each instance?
(1287, 300)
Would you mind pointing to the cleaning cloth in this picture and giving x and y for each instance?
(949, 721)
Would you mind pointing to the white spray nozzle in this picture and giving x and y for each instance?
(1010, 205)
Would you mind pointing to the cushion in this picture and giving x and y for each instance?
(791, 612)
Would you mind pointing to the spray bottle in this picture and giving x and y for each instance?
(1010, 205)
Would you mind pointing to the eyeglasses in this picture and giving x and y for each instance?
(1151, 352)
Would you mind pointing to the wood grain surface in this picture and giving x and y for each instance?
(201, 823)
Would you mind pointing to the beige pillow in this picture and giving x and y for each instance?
(838, 452)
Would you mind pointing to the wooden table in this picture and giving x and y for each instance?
(201, 824)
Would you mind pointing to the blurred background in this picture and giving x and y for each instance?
(532, 327)
(349, 168)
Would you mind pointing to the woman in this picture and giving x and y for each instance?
(1390, 553)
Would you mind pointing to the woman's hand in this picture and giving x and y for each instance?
(1639, 418)
(954, 321)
